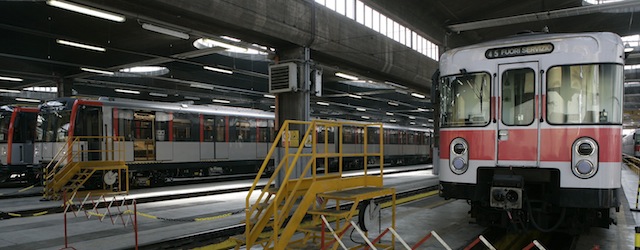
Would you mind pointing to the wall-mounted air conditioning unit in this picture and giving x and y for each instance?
(283, 77)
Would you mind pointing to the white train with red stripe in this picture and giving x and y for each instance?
(530, 129)
(173, 140)
(17, 137)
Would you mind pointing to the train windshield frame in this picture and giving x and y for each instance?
(584, 94)
(465, 99)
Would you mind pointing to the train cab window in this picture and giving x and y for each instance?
(584, 94)
(55, 125)
(518, 93)
(465, 100)
(185, 127)
(88, 121)
(24, 127)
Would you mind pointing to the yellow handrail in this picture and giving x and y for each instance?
(290, 159)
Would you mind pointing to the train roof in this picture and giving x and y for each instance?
(566, 48)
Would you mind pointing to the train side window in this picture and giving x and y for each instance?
(125, 124)
(208, 128)
(185, 127)
(263, 131)
(221, 128)
(584, 94)
(162, 126)
(241, 128)
(373, 134)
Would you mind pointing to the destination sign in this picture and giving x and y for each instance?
(524, 50)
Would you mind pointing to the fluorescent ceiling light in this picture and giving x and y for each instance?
(13, 79)
(202, 86)
(430, 120)
(42, 89)
(418, 95)
(233, 39)
(87, 10)
(365, 117)
(393, 120)
(192, 98)
(361, 109)
(269, 96)
(346, 76)
(323, 103)
(218, 70)
(412, 123)
(424, 124)
(81, 45)
(221, 101)
(389, 113)
(210, 43)
(165, 31)
(396, 85)
(392, 103)
(10, 91)
(272, 106)
(97, 71)
(412, 117)
(184, 105)
(146, 70)
(127, 91)
(158, 94)
(422, 110)
(355, 96)
(27, 100)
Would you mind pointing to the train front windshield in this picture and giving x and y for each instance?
(465, 100)
(54, 125)
(585, 94)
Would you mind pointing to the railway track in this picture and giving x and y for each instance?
(56, 208)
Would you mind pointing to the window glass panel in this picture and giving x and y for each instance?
(221, 128)
(465, 100)
(208, 128)
(161, 127)
(125, 124)
(367, 16)
(350, 9)
(331, 4)
(185, 127)
(584, 94)
(376, 20)
(359, 12)
(5, 119)
(340, 7)
(518, 93)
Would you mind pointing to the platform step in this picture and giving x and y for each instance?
(330, 212)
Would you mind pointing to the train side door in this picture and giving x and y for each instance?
(144, 136)
(518, 128)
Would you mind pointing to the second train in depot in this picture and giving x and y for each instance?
(164, 141)
(531, 128)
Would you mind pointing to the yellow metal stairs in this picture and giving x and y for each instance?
(274, 215)
(69, 172)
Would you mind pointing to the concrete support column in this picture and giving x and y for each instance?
(295, 105)
(65, 87)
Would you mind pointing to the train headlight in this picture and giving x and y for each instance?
(459, 148)
(584, 160)
(459, 156)
(585, 149)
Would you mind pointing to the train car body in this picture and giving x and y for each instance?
(631, 143)
(164, 141)
(530, 129)
(17, 137)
